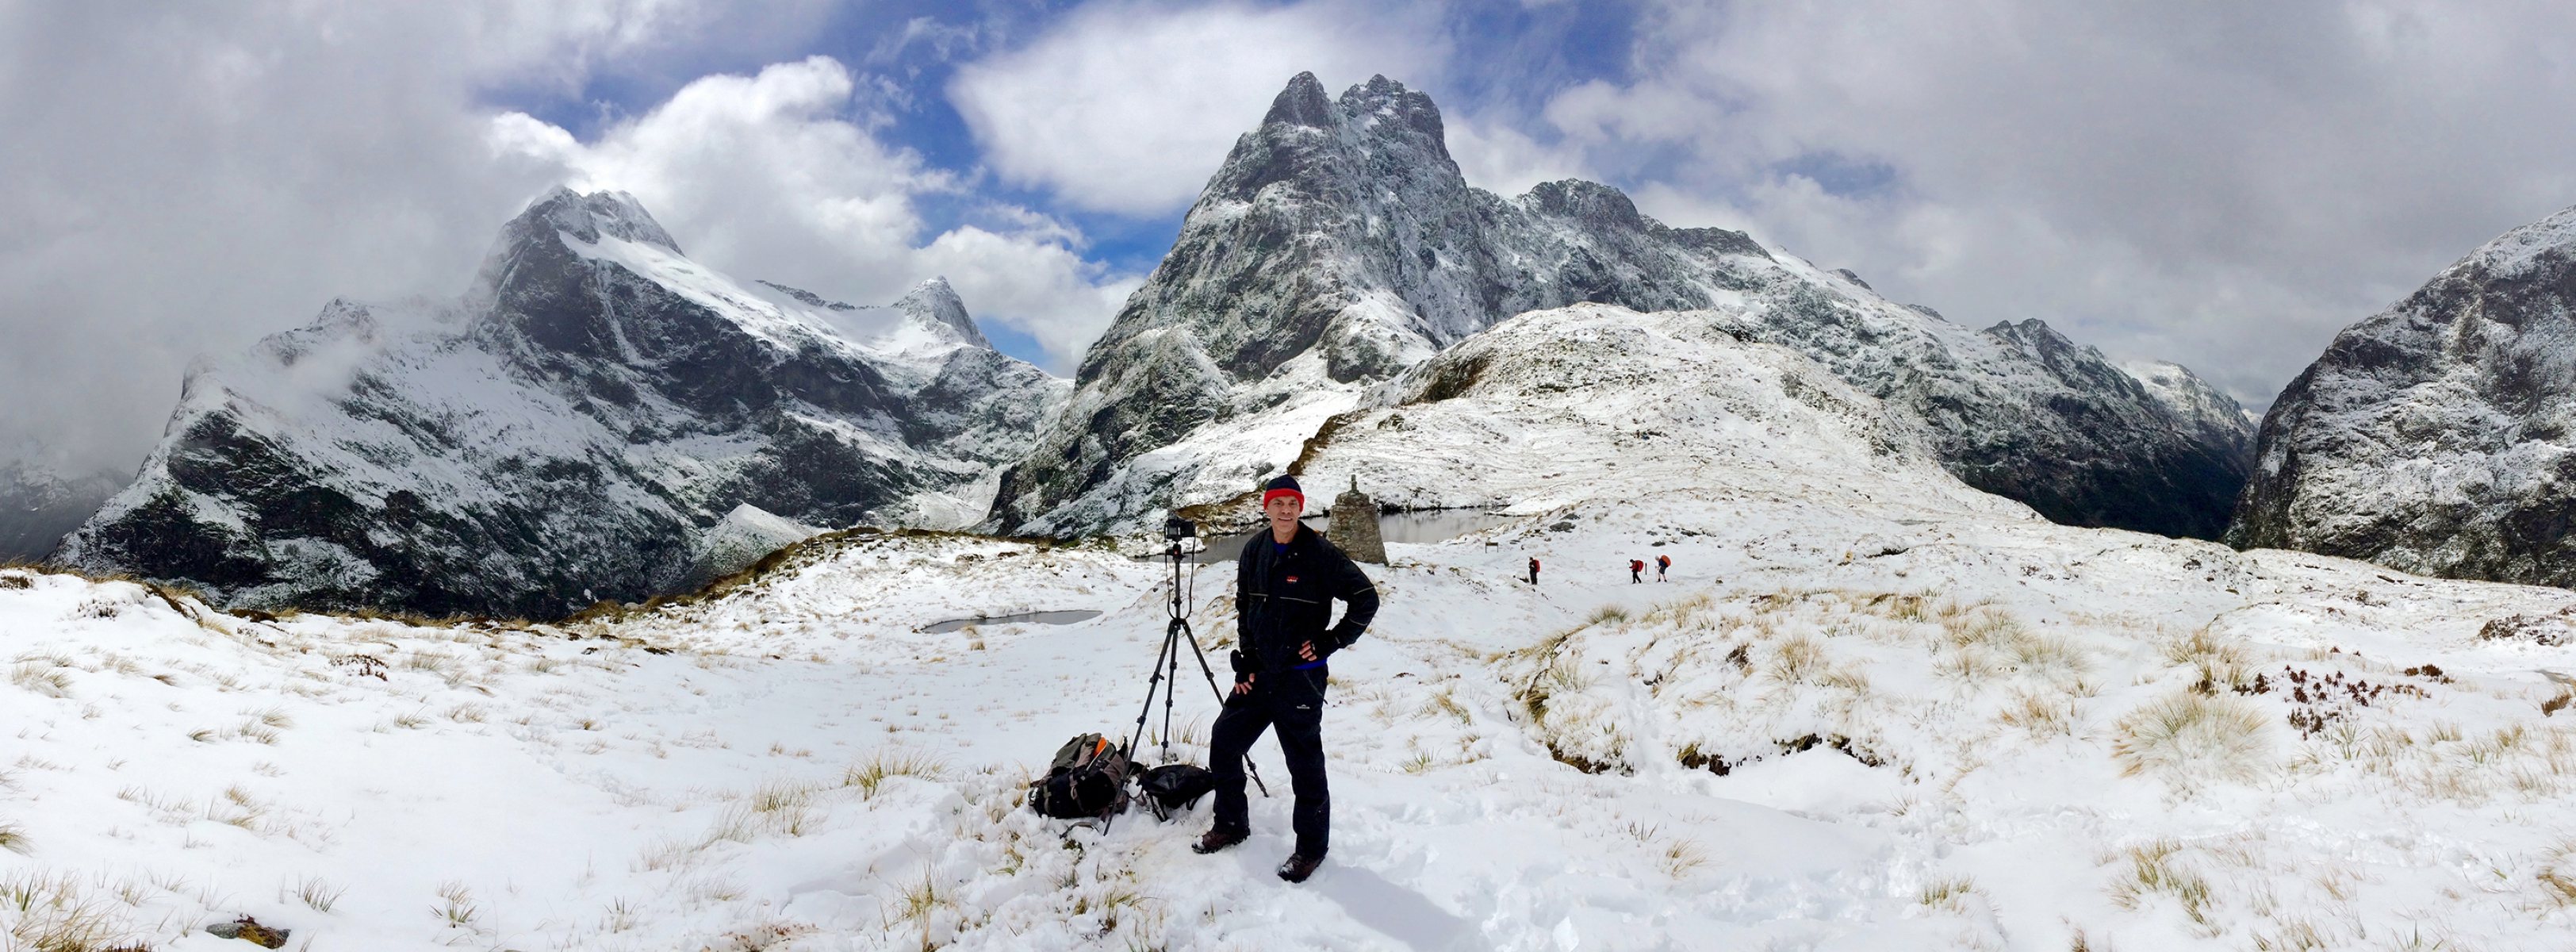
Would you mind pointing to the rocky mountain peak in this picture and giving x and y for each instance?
(1339, 246)
(578, 425)
(592, 217)
(1303, 103)
(2438, 436)
(934, 306)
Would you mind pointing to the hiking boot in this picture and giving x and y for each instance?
(1299, 866)
(1219, 838)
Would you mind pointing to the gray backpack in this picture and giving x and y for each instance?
(1088, 779)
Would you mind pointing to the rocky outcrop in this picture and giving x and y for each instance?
(578, 426)
(1338, 245)
(2438, 436)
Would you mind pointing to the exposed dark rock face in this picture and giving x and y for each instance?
(1339, 245)
(2435, 436)
(570, 430)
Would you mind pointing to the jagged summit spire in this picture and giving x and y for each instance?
(933, 303)
(1303, 103)
(593, 216)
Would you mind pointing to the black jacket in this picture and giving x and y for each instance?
(1283, 600)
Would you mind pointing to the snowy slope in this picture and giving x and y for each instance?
(1874, 710)
(1539, 411)
(2434, 436)
(569, 430)
(1339, 245)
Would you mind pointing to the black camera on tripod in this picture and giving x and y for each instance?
(1176, 528)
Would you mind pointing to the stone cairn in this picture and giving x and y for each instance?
(1354, 527)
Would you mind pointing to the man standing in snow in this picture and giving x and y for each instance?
(1663, 564)
(1284, 586)
(1533, 570)
(1636, 571)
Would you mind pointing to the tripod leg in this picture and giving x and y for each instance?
(1171, 659)
(1182, 627)
(1153, 682)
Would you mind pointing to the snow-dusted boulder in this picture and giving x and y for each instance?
(741, 538)
(2438, 436)
(1339, 245)
(565, 432)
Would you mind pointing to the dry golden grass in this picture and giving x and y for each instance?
(2155, 868)
(871, 772)
(2191, 734)
(41, 912)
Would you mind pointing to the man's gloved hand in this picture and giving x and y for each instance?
(1244, 666)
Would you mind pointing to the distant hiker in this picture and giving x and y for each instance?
(1663, 563)
(1284, 585)
(1636, 571)
(1533, 570)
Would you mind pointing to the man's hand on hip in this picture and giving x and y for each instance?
(1307, 651)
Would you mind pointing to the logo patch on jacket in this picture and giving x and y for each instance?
(1292, 580)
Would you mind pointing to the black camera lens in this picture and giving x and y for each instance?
(1177, 528)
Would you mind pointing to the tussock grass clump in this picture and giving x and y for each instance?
(42, 676)
(58, 913)
(871, 773)
(2221, 663)
(1445, 701)
(317, 893)
(456, 905)
(2193, 734)
(2041, 715)
(1946, 892)
(1679, 857)
(14, 838)
(2156, 869)
(1797, 659)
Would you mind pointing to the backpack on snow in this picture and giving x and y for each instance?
(1174, 787)
(1088, 779)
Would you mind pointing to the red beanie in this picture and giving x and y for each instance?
(1283, 486)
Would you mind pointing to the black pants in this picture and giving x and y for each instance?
(1293, 702)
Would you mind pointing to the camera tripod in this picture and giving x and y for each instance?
(1167, 662)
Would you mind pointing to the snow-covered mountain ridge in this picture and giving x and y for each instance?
(1339, 245)
(567, 431)
(2438, 436)
(39, 503)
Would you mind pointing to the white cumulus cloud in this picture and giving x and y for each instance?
(778, 177)
(1127, 107)
(2225, 186)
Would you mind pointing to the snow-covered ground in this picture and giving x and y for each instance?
(2009, 752)
(1871, 710)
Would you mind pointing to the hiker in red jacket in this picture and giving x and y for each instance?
(1636, 571)
(1533, 570)
(1663, 563)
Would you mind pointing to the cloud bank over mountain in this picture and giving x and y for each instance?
(2222, 187)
